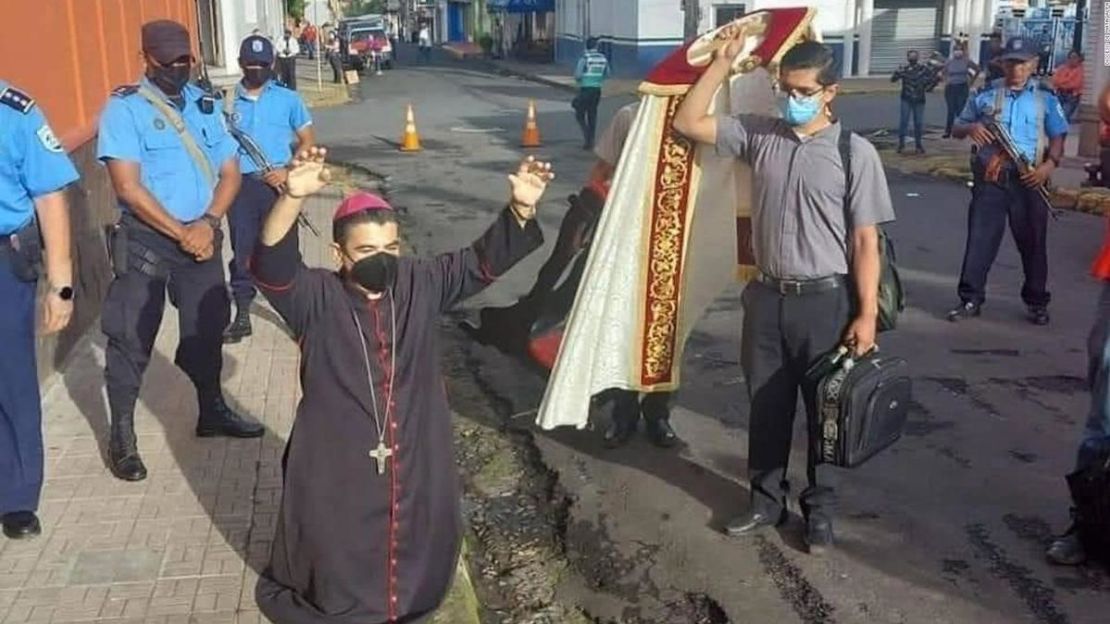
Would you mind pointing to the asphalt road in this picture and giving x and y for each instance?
(947, 526)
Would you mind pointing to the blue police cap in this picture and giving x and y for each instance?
(1018, 49)
(256, 50)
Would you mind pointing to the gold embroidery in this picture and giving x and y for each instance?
(666, 252)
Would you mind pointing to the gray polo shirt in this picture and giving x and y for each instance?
(798, 213)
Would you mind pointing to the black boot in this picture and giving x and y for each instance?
(657, 417)
(625, 417)
(217, 419)
(123, 451)
(21, 524)
(819, 533)
(240, 328)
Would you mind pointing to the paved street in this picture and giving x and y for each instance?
(948, 526)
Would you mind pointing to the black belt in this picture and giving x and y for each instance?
(802, 287)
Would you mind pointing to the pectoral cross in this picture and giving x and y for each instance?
(380, 455)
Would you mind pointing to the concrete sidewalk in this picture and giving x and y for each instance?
(186, 544)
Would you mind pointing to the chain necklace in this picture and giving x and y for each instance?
(382, 453)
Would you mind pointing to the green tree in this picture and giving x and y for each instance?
(362, 7)
(295, 8)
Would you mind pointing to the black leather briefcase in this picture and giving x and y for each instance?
(863, 403)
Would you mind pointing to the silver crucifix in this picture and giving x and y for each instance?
(380, 455)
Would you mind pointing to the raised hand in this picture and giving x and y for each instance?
(308, 174)
(528, 184)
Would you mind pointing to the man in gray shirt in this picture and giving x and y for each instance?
(818, 261)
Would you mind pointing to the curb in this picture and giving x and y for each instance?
(1084, 199)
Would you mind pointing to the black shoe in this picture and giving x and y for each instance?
(946, 135)
(901, 148)
(1038, 315)
(656, 409)
(217, 419)
(124, 460)
(624, 420)
(819, 535)
(753, 521)
(919, 151)
(240, 328)
(21, 524)
(963, 311)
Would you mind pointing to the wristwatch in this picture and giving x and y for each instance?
(212, 220)
(65, 293)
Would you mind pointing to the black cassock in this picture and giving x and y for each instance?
(352, 545)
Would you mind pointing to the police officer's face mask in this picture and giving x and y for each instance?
(255, 76)
(171, 78)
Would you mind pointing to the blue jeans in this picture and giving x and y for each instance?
(917, 109)
(1096, 433)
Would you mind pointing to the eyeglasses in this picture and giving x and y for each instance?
(798, 94)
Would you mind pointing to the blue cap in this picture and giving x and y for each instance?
(256, 50)
(1018, 49)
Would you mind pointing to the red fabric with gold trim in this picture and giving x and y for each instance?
(675, 70)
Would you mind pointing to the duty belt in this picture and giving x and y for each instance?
(801, 287)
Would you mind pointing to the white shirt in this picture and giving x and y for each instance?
(288, 47)
(425, 37)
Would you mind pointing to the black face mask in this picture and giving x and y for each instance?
(171, 79)
(255, 77)
(913, 61)
(375, 273)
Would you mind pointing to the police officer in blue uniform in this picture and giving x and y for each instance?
(174, 168)
(274, 117)
(1032, 115)
(34, 171)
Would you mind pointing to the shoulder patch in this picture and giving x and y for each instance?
(125, 90)
(17, 99)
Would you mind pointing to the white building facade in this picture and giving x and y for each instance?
(225, 23)
(870, 37)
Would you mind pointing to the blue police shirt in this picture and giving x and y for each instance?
(272, 120)
(132, 129)
(1019, 114)
(32, 161)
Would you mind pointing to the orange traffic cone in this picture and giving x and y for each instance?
(531, 135)
(411, 140)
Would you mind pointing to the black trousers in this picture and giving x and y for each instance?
(585, 111)
(248, 212)
(133, 312)
(992, 205)
(955, 96)
(336, 64)
(287, 72)
(781, 338)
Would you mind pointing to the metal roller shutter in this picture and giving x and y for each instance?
(901, 25)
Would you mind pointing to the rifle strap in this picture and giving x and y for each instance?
(175, 119)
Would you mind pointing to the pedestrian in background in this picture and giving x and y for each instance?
(335, 58)
(1068, 82)
(287, 52)
(590, 74)
(1045, 46)
(917, 79)
(425, 42)
(34, 171)
(994, 57)
(1000, 192)
(958, 73)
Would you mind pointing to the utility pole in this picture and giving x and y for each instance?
(691, 19)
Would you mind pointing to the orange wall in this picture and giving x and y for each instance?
(70, 54)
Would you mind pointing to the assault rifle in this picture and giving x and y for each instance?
(254, 152)
(1006, 142)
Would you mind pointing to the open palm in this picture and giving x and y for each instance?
(308, 173)
(530, 181)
